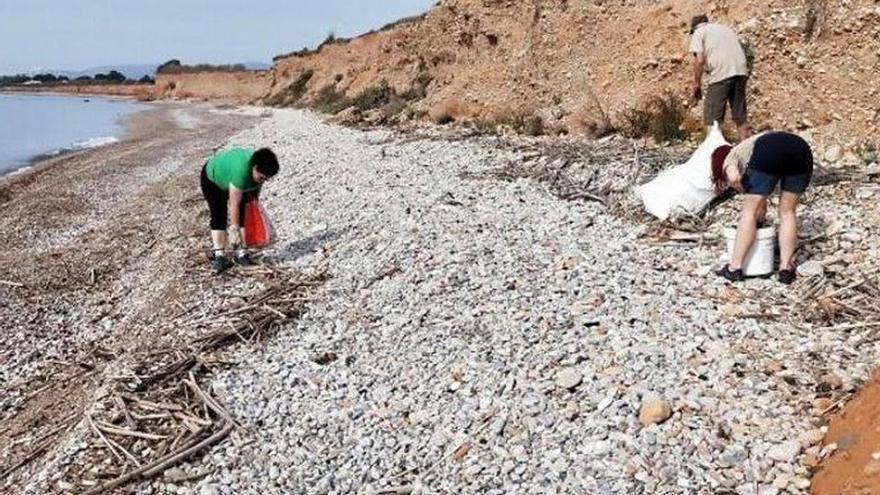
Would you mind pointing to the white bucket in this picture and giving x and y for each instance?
(759, 259)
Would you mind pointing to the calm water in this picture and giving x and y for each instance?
(35, 125)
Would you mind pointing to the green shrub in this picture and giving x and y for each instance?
(383, 96)
(292, 93)
(868, 151)
(375, 97)
(443, 119)
(329, 100)
(660, 117)
(419, 88)
(520, 122)
(528, 124)
(174, 66)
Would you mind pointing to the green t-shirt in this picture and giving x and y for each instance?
(232, 167)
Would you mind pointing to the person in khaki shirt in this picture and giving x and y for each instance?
(754, 167)
(719, 56)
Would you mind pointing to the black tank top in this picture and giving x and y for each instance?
(782, 153)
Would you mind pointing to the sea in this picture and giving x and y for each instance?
(35, 126)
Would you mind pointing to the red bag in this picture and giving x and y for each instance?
(258, 231)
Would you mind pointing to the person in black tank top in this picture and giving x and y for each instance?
(754, 167)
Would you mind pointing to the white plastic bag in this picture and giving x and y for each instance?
(686, 187)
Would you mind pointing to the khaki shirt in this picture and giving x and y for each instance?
(720, 45)
(741, 154)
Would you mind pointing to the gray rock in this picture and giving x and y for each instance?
(811, 269)
(785, 452)
(443, 338)
(833, 153)
(568, 379)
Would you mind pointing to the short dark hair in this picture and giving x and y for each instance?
(265, 161)
(697, 20)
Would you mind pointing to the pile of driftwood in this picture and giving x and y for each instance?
(604, 171)
(164, 412)
(846, 302)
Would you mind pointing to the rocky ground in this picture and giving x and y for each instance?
(478, 334)
(95, 246)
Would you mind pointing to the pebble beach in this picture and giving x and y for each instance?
(486, 336)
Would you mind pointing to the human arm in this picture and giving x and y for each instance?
(235, 198)
(734, 178)
(737, 161)
(699, 65)
(699, 68)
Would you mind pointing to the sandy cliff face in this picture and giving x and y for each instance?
(236, 87)
(142, 92)
(580, 64)
(574, 63)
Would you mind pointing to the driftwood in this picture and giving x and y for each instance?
(112, 430)
(160, 465)
(101, 436)
(210, 402)
(164, 403)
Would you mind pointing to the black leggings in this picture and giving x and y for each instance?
(218, 203)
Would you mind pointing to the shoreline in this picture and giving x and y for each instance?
(95, 244)
(142, 92)
(128, 129)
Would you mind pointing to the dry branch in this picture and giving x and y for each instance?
(160, 465)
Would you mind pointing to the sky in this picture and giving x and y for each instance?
(78, 34)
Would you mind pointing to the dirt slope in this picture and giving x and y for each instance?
(574, 63)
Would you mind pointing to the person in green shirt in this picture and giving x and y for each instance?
(230, 179)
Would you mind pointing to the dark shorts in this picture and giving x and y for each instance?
(779, 157)
(763, 184)
(718, 95)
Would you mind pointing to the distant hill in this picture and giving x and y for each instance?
(131, 71)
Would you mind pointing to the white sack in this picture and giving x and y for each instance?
(686, 187)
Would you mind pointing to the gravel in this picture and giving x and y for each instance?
(494, 339)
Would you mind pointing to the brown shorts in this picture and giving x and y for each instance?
(731, 90)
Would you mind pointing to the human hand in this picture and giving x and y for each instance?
(696, 94)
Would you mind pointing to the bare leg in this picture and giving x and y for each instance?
(788, 239)
(242, 249)
(747, 228)
(218, 238)
(761, 214)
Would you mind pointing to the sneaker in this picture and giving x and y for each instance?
(244, 260)
(732, 275)
(787, 276)
(220, 264)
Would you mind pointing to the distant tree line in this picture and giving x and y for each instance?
(174, 66)
(112, 77)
